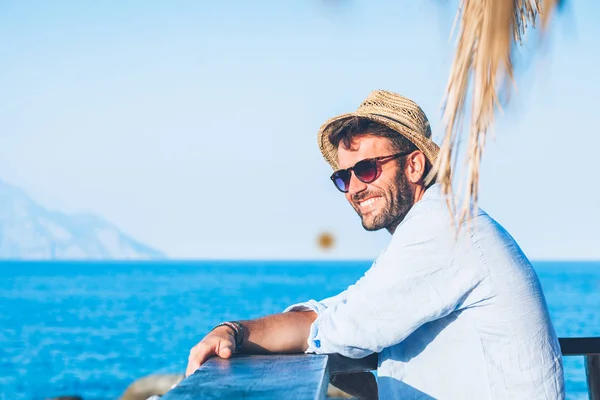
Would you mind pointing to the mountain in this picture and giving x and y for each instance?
(30, 231)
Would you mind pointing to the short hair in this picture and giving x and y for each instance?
(346, 130)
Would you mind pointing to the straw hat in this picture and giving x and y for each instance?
(392, 110)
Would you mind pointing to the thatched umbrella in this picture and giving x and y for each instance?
(489, 30)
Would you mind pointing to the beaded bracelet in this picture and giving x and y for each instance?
(238, 333)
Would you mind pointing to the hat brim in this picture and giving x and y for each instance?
(329, 152)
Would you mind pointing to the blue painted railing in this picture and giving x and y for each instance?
(301, 376)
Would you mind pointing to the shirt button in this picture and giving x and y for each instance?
(317, 343)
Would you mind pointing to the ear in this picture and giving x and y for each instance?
(415, 166)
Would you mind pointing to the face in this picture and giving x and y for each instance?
(384, 202)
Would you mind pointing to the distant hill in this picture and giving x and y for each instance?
(30, 231)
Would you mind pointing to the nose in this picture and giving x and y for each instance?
(355, 185)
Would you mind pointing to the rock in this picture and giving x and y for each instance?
(335, 393)
(360, 385)
(30, 231)
(156, 384)
(66, 398)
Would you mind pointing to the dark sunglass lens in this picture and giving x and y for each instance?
(341, 180)
(366, 171)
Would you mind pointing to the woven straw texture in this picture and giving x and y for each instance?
(392, 110)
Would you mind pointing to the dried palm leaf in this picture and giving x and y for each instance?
(482, 69)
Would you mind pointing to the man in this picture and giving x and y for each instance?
(453, 313)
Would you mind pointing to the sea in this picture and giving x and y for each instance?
(92, 328)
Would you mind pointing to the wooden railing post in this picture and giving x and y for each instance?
(306, 377)
(592, 372)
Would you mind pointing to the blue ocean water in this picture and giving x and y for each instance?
(92, 328)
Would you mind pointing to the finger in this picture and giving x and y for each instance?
(202, 353)
(225, 348)
(191, 368)
(195, 358)
(224, 352)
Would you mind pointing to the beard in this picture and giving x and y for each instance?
(393, 205)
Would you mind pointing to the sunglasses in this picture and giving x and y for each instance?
(366, 171)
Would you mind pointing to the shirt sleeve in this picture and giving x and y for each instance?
(411, 283)
(319, 306)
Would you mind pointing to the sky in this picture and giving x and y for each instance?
(192, 125)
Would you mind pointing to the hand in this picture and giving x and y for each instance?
(220, 342)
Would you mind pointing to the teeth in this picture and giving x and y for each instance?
(368, 202)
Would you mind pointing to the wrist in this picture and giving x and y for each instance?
(236, 330)
(225, 329)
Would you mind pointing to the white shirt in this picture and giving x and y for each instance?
(452, 317)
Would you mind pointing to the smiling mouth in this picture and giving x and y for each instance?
(368, 204)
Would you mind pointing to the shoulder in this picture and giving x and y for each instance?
(425, 238)
(429, 216)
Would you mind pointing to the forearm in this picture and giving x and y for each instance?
(278, 333)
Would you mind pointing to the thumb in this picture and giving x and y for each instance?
(224, 350)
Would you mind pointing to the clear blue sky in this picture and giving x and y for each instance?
(192, 125)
